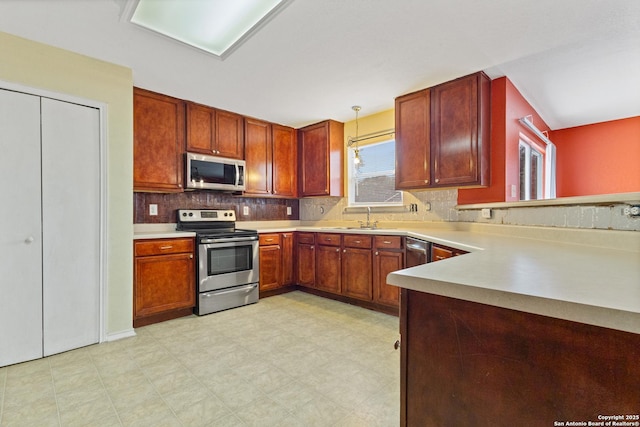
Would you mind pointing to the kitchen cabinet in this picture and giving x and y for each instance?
(270, 262)
(328, 263)
(388, 256)
(356, 266)
(460, 131)
(285, 165)
(321, 159)
(214, 132)
(270, 153)
(464, 363)
(306, 259)
(440, 252)
(276, 260)
(286, 240)
(164, 279)
(413, 143)
(443, 135)
(158, 142)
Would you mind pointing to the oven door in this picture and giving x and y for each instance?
(226, 264)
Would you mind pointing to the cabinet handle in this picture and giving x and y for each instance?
(312, 248)
(376, 253)
(358, 241)
(166, 247)
(338, 250)
(437, 180)
(426, 181)
(190, 256)
(396, 345)
(268, 240)
(386, 242)
(344, 250)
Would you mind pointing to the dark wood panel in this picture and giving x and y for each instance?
(357, 273)
(258, 156)
(229, 135)
(201, 128)
(285, 171)
(413, 148)
(472, 364)
(158, 142)
(385, 262)
(328, 272)
(270, 267)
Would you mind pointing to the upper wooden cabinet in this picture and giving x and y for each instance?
(413, 145)
(460, 131)
(214, 132)
(442, 135)
(270, 152)
(285, 170)
(321, 159)
(158, 142)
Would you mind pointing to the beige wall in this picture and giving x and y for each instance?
(40, 66)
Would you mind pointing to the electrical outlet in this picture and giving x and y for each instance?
(153, 209)
(427, 206)
(245, 210)
(288, 210)
(486, 213)
(514, 193)
(631, 211)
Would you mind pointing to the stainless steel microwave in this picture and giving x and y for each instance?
(214, 173)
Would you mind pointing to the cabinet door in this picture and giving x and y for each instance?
(258, 156)
(321, 153)
(158, 142)
(201, 129)
(270, 267)
(229, 135)
(413, 148)
(385, 262)
(20, 229)
(328, 259)
(306, 264)
(284, 161)
(356, 273)
(459, 134)
(287, 258)
(163, 283)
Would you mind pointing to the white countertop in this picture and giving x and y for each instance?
(580, 281)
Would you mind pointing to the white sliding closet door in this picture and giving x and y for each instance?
(49, 226)
(70, 225)
(20, 229)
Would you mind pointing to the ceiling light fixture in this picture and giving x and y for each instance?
(215, 26)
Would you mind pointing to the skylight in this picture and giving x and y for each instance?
(215, 26)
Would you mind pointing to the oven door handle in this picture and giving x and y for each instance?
(246, 288)
(229, 239)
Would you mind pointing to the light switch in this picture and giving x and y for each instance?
(486, 213)
(245, 210)
(153, 209)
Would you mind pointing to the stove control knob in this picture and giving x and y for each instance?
(190, 213)
(184, 214)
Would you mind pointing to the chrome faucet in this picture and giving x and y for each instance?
(368, 224)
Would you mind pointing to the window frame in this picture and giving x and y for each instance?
(351, 177)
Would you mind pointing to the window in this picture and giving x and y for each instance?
(537, 170)
(372, 182)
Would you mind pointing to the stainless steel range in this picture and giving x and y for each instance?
(227, 257)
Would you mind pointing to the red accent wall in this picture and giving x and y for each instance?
(507, 106)
(600, 158)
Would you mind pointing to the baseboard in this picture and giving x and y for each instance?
(120, 335)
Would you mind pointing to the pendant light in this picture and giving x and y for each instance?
(356, 150)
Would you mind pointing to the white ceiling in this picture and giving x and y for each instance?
(576, 61)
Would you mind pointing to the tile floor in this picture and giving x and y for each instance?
(290, 360)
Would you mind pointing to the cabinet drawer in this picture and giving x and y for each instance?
(329, 239)
(357, 241)
(163, 246)
(269, 239)
(306, 238)
(388, 242)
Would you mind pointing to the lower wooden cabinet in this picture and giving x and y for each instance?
(328, 262)
(356, 267)
(276, 260)
(440, 252)
(164, 280)
(388, 256)
(306, 259)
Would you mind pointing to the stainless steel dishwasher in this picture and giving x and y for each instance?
(417, 252)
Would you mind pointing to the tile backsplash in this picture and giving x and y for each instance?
(260, 209)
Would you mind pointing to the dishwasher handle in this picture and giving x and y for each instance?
(416, 248)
